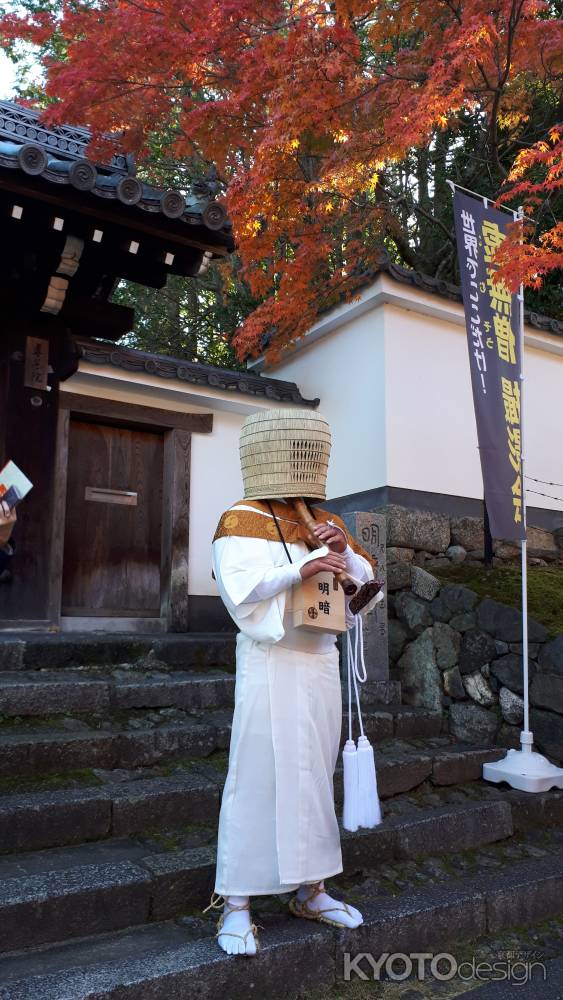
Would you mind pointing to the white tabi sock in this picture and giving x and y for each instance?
(235, 936)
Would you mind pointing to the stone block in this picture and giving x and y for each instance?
(398, 576)
(471, 723)
(421, 680)
(377, 725)
(478, 689)
(398, 636)
(509, 737)
(417, 529)
(468, 532)
(368, 848)
(402, 774)
(178, 877)
(459, 765)
(413, 612)
(506, 552)
(73, 902)
(464, 621)
(439, 609)
(547, 692)
(476, 648)
(12, 654)
(453, 684)
(508, 670)
(423, 584)
(138, 805)
(40, 694)
(416, 921)
(525, 894)
(60, 753)
(417, 723)
(370, 530)
(505, 623)
(456, 553)
(395, 554)
(547, 728)
(451, 829)
(541, 543)
(446, 644)
(32, 821)
(511, 706)
(458, 598)
(551, 656)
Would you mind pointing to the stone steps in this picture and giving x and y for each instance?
(126, 801)
(71, 650)
(169, 960)
(45, 692)
(113, 754)
(88, 888)
(131, 737)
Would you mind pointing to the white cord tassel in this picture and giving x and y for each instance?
(350, 769)
(361, 799)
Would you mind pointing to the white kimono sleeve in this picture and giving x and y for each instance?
(252, 587)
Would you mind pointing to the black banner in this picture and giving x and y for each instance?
(492, 319)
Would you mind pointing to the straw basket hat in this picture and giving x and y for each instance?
(285, 453)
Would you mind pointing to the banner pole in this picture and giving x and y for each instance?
(526, 737)
(524, 769)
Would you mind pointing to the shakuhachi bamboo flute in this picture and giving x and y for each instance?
(362, 595)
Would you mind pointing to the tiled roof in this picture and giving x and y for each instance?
(57, 154)
(437, 286)
(196, 373)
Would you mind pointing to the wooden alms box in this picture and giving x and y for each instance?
(318, 604)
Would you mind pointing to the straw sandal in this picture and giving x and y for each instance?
(214, 904)
(299, 908)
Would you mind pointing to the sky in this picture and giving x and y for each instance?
(7, 76)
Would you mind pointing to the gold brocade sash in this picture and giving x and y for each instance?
(247, 524)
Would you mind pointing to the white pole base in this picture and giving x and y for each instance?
(524, 769)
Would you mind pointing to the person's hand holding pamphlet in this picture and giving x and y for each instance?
(14, 486)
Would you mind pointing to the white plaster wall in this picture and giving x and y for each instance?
(216, 483)
(431, 432)
(346, 370)
(431, 435)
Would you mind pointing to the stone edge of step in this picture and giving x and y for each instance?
(299, 957)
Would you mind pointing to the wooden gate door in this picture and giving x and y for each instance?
(112, 547)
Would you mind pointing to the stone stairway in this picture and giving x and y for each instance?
(113, 753)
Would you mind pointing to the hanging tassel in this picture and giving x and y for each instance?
(368, 805)
(351, 786)
(350, 768)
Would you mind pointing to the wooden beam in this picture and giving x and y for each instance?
(124, 414)
(58, 515)
(119, 216)
(175, 530)
(92, 317)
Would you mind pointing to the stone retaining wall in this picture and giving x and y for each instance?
(455, 652)
(430, 540)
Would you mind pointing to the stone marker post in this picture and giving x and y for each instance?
(370, 531)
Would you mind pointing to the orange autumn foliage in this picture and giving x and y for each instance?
(302, 105)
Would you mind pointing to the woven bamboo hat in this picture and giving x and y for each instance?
(284, 453)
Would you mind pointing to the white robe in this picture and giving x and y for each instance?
(277, 824)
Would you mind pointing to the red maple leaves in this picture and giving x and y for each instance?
(302, 105)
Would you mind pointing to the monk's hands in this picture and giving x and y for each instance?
(332, 563)
(331, 536)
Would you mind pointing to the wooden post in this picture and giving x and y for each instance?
(30, 418)
(175, 530)
(488, 547)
